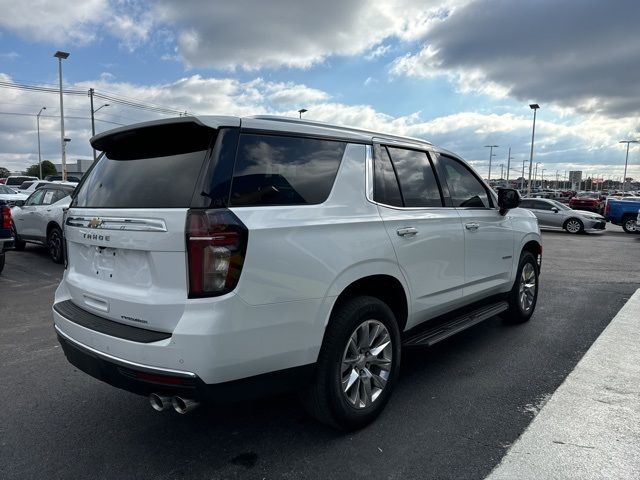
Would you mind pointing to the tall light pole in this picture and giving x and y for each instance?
(490, 147)
(534, 107)
(62, 56)
(523, 162)
(39, 156)
(535, 175)
(542, 178)
(626, 160)
(301, 111)
(93, 122)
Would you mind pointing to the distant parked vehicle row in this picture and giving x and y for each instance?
(15, 181)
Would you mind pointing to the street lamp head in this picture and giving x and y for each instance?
(61, 55)
(67, 140)
(534, 106)
(629, 141)
(303, 110)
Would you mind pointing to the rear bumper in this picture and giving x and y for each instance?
(145, 379)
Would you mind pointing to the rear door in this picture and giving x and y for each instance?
(125, 228)
(489, 237)
(428, 238)
(40, 214)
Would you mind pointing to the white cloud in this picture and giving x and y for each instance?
(57, 21)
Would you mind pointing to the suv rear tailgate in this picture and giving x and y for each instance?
(128, 265)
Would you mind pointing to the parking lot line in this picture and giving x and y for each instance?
(589, 428)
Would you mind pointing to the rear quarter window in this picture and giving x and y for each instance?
(282, 170)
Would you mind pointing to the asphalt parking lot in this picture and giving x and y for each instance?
(457, 408)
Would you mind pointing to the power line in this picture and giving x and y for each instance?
(55, 116)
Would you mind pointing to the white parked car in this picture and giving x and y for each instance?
(31, 186)
(39, 219)
(10, 195)
(14, 181)
(217, 257)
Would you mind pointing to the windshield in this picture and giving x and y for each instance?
(8, 190)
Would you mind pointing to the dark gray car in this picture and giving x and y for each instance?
(552, 214)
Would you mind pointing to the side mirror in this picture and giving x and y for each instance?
(508, 198)
(18, 203)
(555, 209)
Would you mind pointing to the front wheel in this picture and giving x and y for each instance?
(358, 365)
(629, 224)
(573, 225)
(524, 294)
(54, 245)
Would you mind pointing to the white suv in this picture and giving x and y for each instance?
(215, 258)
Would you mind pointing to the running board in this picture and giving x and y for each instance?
(451, 327)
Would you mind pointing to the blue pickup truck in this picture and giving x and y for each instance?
(623, 212)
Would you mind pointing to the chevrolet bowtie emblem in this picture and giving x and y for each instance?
(95, 223)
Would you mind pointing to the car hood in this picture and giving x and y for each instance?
(587, 214)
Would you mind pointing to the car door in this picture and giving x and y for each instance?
(547, 217)
(488, 235)
(41, 214)
(427, 237)
(25, 220)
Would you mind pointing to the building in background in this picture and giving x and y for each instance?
(575, 177)
(75, 169)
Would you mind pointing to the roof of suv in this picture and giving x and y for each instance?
(268, 123)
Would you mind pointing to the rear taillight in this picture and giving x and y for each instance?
(6, 217)
(216, 246)
(606, 208)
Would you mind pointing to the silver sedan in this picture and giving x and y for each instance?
(553, 214)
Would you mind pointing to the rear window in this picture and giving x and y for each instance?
(153, 167)
(281, 170)
(17, 181)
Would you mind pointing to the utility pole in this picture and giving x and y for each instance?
(93, 123)
(490, 147)
(626, 160)
(523, 162)
(508, 165)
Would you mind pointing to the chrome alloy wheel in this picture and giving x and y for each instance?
(573, 226)
(631, 225)
(366, 363)
(527, 289)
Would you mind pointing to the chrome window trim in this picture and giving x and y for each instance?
(118, 223)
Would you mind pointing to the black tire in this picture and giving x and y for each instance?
(570, 224)
(325, 399)
(54, 245)
(629, 224)
(18, 244)
(517, 313)
(1, 260)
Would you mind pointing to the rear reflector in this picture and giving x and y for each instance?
(216, 246)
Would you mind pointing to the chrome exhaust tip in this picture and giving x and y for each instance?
(159, 402)
(184, 405)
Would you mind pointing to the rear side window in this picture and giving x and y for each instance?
(465, 189)
(385, 186)
(281, 170)
(154, 167)
(418, 183)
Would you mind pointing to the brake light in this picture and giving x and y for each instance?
(6, 217)
(216, 247)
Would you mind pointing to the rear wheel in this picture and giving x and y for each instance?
(524, 294)
(18, 244)
(54, 245)
(1, 260)
(629, 224)
(357, 366)
(573, 225)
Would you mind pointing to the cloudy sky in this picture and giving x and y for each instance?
(460, 73)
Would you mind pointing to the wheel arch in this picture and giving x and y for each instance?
(385, 287)
(50, 226)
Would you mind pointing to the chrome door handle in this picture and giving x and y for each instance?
(407, 232)
(472, 226)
